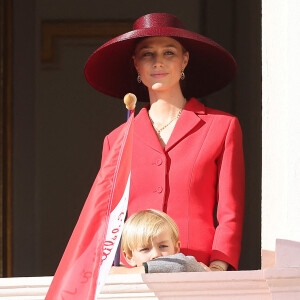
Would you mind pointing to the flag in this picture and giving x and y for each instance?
(91, 249)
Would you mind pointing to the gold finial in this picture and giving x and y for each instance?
(130, 101)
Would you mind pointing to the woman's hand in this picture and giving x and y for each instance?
(218, 265)
(205, 267)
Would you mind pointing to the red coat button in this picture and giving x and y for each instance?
(159, 189)
(158, 162)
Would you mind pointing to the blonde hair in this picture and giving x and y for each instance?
(143, 226)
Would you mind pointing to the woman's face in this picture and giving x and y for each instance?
(159, 61)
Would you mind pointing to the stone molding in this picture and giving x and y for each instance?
(52, 31)
(270, 283)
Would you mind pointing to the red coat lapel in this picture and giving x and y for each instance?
(144, 131)
(189, 119)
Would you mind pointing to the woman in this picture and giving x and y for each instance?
(188, 159)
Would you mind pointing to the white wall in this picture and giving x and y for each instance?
(280, 121)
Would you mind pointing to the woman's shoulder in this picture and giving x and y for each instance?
(222, 116)
(115, 132)
(198, 107)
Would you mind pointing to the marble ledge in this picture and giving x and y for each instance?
(270, 283)
(279, 279)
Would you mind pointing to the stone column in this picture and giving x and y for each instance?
(280, 121)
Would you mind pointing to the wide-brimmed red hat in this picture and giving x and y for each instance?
(110, 68)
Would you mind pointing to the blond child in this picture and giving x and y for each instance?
(150, 243)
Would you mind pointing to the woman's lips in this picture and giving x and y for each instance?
(159, 75)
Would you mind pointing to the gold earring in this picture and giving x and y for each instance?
(139, 79)
(182, 75)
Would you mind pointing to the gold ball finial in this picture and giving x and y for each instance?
(130, 101)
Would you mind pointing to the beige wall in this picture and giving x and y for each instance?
(60, 121)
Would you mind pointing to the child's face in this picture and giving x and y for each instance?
(162, 245)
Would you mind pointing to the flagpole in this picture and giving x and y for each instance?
(130, 102)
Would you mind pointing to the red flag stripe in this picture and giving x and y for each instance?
(77, 274)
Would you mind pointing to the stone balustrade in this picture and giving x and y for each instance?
(270, 283)
(279, 280)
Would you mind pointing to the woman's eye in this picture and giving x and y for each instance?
(169, 52)
(147, 54)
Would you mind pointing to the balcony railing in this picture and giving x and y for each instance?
(272, 283)
(279, 282)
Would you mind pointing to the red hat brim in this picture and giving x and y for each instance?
(110, 68)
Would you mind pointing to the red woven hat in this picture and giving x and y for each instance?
(110, 68)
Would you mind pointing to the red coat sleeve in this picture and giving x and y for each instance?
(230, 193)
(108, 141)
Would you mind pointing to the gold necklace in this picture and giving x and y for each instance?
(159, 130)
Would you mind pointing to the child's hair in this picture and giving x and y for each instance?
(143, 226)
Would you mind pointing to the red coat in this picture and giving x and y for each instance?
(201, 166)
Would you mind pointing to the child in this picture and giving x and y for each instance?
(150, 242)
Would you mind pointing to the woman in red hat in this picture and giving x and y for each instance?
(188, 158)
